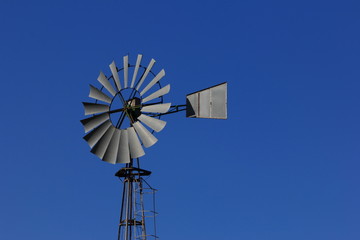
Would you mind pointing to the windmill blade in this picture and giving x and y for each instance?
(126, 70)
(92, 108)
(105, 82)
(157, 78)
(151, 64)
(138, 61)
(92, 122)
(156, 108)
(146, 137)
(123, 154)
(115, 75)
(155, 124)
(98, 95)
(94, 136)
(112, 149)
(158, 93)
(100, 147)
(135, 147)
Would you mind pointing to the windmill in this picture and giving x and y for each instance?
(124, 117)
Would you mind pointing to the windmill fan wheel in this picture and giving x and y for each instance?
(126, 112)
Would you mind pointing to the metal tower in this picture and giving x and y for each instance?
(137, 221)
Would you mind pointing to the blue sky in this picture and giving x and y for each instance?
(285, 165)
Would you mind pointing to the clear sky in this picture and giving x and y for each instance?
(285, 165)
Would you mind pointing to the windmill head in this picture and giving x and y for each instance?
(126, 113)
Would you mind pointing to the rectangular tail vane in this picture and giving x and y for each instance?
(208, 103)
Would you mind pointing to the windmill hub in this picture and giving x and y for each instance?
(132, 107)
(133, 103)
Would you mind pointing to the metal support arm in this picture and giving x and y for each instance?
(173, 109)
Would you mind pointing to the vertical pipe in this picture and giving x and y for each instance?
(134, 208)
(127, 209)
(122, 209)
(154, 192)
(130, 208)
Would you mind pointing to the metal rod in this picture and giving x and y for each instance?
(154, 212)
(127, 210)
(121, 211)
(121, 120)
(173, 109)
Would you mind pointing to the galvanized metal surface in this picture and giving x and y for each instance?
(115, 75)
(112, 149)
(146, 137)
(138, 61)
(157, 78)
(92, 122)
(148, 69)
(100, 147)
(219, 101)
(126, 70)
(123, 154)
(98, 95)
(155, 124)
(158, 93)
(92, 108)
(157, 108)
(208, 103)
(94, 136)
(105, 82)
(135, 147)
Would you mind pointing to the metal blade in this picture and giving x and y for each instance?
(92, 122)
(151, 64)
(100, 147)
(115, 75)
(98, 95)
(157, 78)
(157, 108)
(123, 154)
(126, 70)
(135, 147)
(105, 82)
(138, 61)
(112, 149)
(146, 137)
(94, 136)
(92, 108)
(158, 93)
(156, 124)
